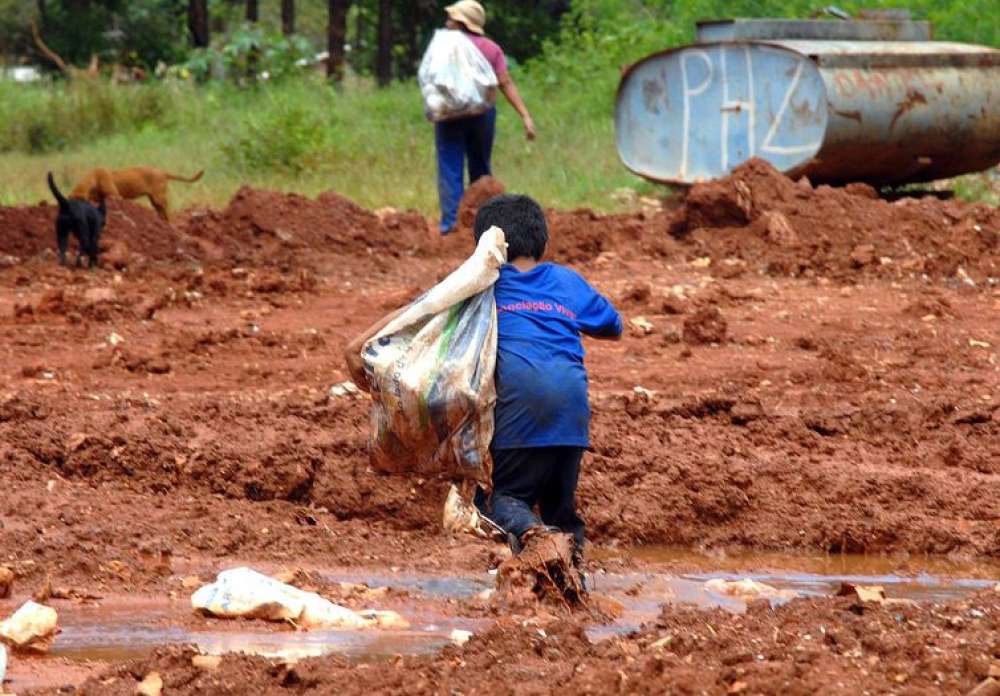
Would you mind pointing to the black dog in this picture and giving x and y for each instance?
(84, 220)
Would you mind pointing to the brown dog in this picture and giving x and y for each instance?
(131, 182)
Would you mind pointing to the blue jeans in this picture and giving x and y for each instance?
(457, 140)
(542, 476)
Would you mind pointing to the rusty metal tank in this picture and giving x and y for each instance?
(838, 101)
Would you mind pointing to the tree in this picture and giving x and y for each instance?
(198, 23)
(336, 36)
(287, 17)
(253, 11)
(383, 58)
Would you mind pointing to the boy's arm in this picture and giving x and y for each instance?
(352, 353)
(599, 319)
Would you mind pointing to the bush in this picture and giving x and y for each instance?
(47, 117)
(289, 138)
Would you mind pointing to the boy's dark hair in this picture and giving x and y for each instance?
(522, 221)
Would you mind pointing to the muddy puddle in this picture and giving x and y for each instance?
(134, 627)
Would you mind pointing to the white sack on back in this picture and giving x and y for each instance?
(455, 78)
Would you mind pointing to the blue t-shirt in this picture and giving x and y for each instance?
(540, 378)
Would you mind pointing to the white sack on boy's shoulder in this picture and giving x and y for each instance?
(431, 371)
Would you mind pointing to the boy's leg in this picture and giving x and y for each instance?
(449, 139)
(557, 502)
(479, 144)
(517, 479)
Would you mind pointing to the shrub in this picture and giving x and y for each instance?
(290, 137)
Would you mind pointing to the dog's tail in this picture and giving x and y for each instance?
(56, 192)
(174, 177)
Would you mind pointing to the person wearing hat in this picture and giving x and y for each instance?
(472, 137)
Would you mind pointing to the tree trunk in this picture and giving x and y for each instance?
(253, 15)
(287, 17)
(336, 35)
(383, 59)
(198, 23)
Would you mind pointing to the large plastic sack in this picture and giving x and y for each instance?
(455, 78)
(245, 593)
(431, 373)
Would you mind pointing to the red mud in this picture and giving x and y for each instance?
(830, 646)
(173, 404)
(781, 227)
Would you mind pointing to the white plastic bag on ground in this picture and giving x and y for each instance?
(431, 371)
(32, 627)
(242, 592)
(455, 78)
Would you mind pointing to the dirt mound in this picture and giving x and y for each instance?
(784, 227)
(27, 230)
(270, 225)
(132, 232)
(581, 236)
(478, 193)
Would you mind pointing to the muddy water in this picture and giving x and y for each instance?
(134, 627)
(132, 630)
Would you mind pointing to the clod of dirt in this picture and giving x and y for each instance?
(863, 255)
(735, 200)
(475, 196)
(6, 581)
(777, 229)
(938, 307)
(116, 255)
(705, 326)
(543, 571)
(863, 190)
(152, 685)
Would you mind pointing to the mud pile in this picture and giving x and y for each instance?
(836, 646)
(261, 225)
(27, 231)
(783, 227)
(474, 197)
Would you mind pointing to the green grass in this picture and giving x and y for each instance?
(374, 146)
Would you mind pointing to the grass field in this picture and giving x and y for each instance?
(374, 146)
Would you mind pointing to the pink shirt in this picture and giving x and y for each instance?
(493, 53)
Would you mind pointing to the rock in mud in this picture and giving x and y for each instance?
(152, 685)
(746, 589)
(705, 326)
(32, 627)
(6, 581)
(206, 662)
(459, 637)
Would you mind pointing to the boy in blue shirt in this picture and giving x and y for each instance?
(542, 410)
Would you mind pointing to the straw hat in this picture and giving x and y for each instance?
(468, 12)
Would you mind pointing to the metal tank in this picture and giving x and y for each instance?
(838, 101)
